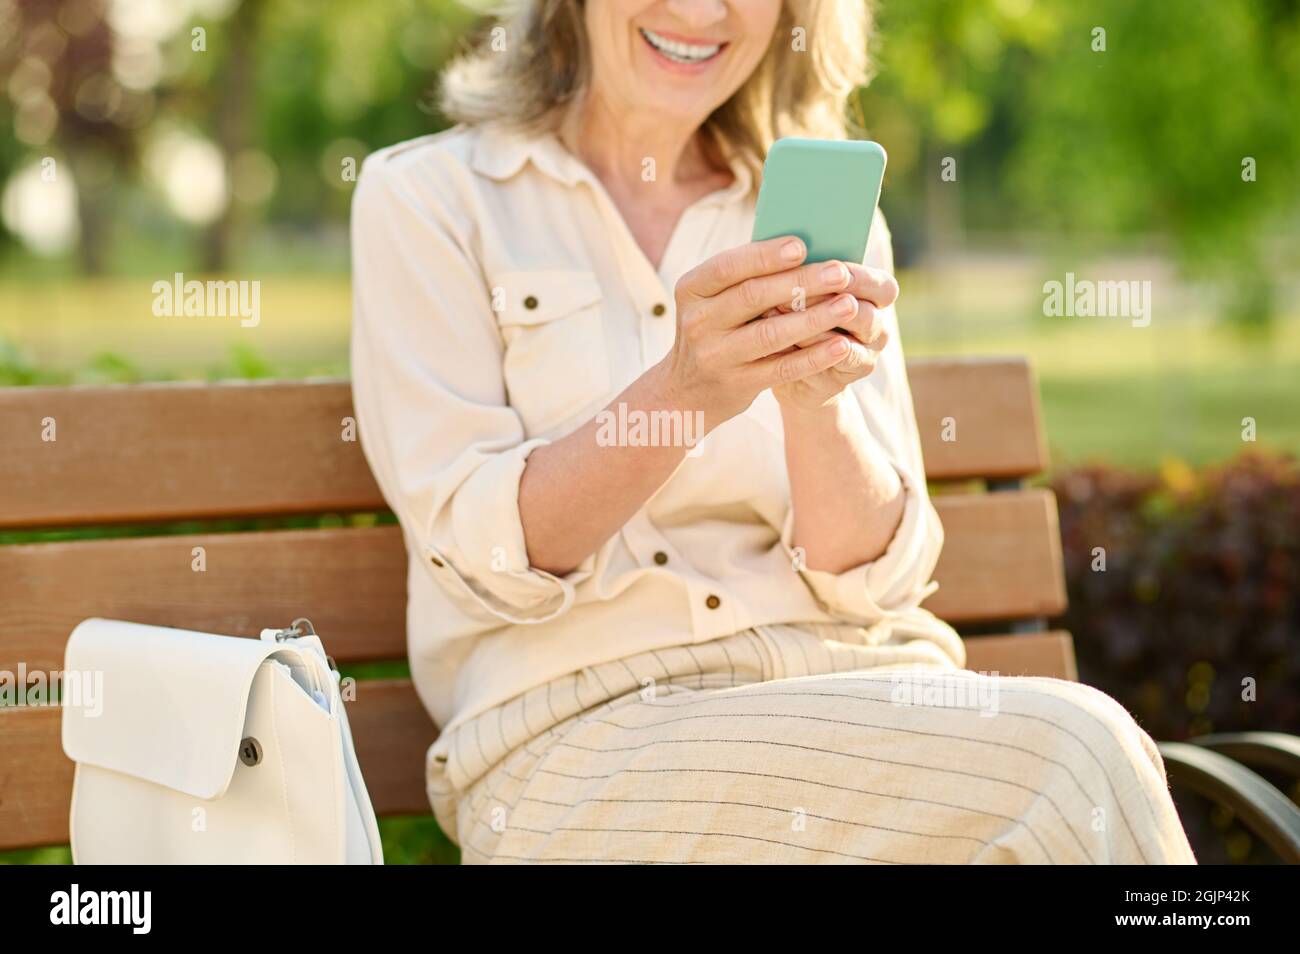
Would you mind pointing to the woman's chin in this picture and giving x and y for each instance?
(676, 111)
(678, 98)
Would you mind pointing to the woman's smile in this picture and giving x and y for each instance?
(680, 54)
(668, 65)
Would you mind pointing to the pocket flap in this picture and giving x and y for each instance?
(173, 707)
(535, 297)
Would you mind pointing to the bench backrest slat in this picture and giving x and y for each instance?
(176, 451)
(179, 451)
(1001, 561)
(978, 417)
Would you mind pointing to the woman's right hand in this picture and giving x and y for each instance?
(723, 358)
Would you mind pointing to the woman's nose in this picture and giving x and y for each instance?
(697, 13)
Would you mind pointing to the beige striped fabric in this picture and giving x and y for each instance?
(805, 744)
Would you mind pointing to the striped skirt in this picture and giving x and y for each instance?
(805, 744)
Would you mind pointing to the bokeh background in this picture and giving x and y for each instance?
(1152, 141)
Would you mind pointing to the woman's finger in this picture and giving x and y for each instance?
(793, 287)
(735, 265)
(801, 363)
(794, 305)
(858, 363)
(767, 336)
(873, 284)
(866, 327)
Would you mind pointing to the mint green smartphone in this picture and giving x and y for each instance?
(824, 191)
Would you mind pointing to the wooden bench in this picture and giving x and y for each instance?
(145, 455)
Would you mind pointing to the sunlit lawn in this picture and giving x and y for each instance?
(1134, 396)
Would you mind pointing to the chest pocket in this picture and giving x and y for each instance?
(556, 365)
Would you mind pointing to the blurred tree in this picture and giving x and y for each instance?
(237, 82)
(56, 60)
(1185, 126)
(950, 77)
(286, 90)
(1039, 133)
(338, 79)
(1088, 122)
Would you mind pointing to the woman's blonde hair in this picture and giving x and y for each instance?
(533, 63)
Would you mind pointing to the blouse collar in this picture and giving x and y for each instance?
(500, 152)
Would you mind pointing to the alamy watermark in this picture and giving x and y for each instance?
(131, 909)
(631, 427)
(946, 691)
(209, 299)
(36, 687)
(1084, 298)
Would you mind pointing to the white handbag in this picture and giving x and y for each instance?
(209, 749)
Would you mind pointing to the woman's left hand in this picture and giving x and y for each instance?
(872, 290)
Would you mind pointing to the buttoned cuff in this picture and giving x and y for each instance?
(892, 584)
(476, 551)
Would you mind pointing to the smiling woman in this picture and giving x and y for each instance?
(532, 66)
(684, 650)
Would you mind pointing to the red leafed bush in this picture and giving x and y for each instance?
(1194, 622)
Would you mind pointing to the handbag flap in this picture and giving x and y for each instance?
(173, 706)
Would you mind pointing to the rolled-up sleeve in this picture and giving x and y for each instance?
(898, 580)
(893, 583)
(444, 445)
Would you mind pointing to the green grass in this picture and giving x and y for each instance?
(1135, 396)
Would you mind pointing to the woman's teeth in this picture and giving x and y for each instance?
(681, 52)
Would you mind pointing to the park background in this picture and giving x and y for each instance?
(1116, 140)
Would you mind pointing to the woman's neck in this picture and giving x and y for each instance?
(628, 152)
(626, 149)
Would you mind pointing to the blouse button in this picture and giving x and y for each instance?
(659, 310)
(712, 602)
(530, 302)
(436, 562)
(661, 558)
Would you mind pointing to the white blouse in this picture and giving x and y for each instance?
(500, 301)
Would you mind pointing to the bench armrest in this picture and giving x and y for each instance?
(1274, 751)
(1256, 802)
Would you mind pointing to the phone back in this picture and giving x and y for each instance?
(825, 192)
